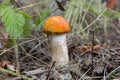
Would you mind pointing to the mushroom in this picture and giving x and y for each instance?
(57, 27)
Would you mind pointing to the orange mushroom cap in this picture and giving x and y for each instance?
(56, 24)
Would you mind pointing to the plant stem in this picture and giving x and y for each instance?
(16, 56)
(15, 74)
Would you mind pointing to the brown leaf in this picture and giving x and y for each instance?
(89, 48)
(4, 63)
(110, 4)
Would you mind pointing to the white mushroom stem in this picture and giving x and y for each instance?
(59, 49)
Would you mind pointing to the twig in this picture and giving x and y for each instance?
(112, 71)
(97, 77)
(84, 75)
(18, 45)
(50, 70)
(95, 20)
(15, 74)
(92, 52)
(31, 5)
(37, 71)
(104, 77)
(14, 78)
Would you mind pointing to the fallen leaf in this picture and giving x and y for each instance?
(89, 48)
(4, 63)
(110, 4)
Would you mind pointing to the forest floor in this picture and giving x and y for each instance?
(94, 58)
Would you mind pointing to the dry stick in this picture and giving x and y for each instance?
(92, 31)
(83, 76)
(31, 5)
(28, 54)
(112, 71)
(18, 45)
(20, 5)
(34, 47)
(95, 20)
(96, 77)
(15, 74)
(87, 27)
(104, 77)
(21, 44)
(35, 5)
(50, 70)
(37, 71)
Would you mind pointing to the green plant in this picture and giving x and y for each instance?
(83, 15)
(41, 17)
(13, 21)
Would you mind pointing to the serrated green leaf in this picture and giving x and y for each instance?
(27, 27)
(12, 21)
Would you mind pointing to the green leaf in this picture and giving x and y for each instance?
(107, 14)
(12, 21)
(116, 14)
(41, 17)
(27, 27)
(70, 0)
(44, 13)
(26, 16)
(41, 23)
